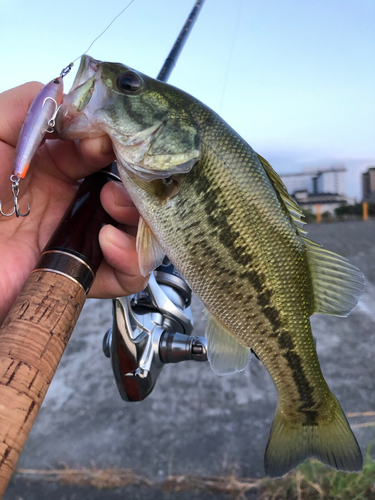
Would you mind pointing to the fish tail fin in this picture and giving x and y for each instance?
(330, 440)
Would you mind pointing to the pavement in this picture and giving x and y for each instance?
(195, 423)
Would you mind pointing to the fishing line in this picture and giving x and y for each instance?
(34, 129)
(67, 69)
(230, 57)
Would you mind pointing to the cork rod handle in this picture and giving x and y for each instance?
(32, 340)
(37, 329)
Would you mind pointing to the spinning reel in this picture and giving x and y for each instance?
(152, 328)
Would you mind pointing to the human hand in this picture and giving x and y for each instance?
(49, 187)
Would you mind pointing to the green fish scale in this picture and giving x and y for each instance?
(226, 225)
(232, 240)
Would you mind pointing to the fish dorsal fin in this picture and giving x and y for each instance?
(337, 284)
(225, 354)
(291, 207)
(150, 253)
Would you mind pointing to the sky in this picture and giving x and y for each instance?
(295, 78)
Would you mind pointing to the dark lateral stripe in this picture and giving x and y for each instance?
(305, 390)
(217, 216)
(218, 212)
(69, 265)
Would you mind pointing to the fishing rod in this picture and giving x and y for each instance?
(179, 44)
(35, 333)
(154, 327)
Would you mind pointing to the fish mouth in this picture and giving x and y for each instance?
(79, 117)
(88, 67)
(89, 111)
(76, 116)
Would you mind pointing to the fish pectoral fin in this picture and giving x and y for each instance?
(175, 146)
(150, 253)
(331, 441)
(225, 354)
(337, 284)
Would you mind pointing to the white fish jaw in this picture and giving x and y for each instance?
(77, 117)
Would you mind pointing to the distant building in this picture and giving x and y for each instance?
(368, 185)
(324, 187)
(330, 180)
(327, 201)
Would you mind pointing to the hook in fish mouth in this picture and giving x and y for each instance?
(75, 119)
(152, 144)
(84, 83)
(87, 68)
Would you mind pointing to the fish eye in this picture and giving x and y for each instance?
(129, 82)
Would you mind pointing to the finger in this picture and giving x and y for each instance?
(91, 148)
(14, 104)
(117, 202)
(96, 153)
(72, 164)
(6, 167)
(75, 160)
(119, 275)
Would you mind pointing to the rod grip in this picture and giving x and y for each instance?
(36, 331)
(32, 340)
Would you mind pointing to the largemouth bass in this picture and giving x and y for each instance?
(224, 218)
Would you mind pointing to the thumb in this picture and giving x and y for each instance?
(119, 274)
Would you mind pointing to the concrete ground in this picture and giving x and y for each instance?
(195, 423)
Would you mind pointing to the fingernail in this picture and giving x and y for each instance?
(122, 198)
(116, 237)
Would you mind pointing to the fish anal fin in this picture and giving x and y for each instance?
(225, 353)
(332, 442)
(337, 284)
(150, 253)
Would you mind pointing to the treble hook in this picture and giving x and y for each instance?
(51, 121)
(15, 190)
